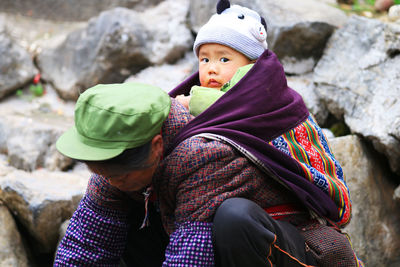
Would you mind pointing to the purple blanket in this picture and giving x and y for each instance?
(259, 108)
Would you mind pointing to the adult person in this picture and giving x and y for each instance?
(250, 181)
(125, 134)
(118, 133)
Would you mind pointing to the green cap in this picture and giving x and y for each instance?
(110, 118)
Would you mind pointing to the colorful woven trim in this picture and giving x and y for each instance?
(307, 144)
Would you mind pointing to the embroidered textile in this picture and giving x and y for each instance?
(307, 144)
(258, 109)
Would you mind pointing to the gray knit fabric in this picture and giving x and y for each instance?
(229, 37)
(237, 27)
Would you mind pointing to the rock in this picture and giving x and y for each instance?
(375, 225)
(61, 233)
(168, 75)
(200, 12)
(42, 200)
(168, 35)
(46, 105)
(12, 250)
(115, 45)
(29, 140)
(16, 64)
(328, 133)
(299, 33)
(94, 54)
(394, 13)
(303, 84)
(358, 79)
(63, 229)
(36, 35)
(396, 195)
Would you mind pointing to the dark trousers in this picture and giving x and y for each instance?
(245, 235)
(145, 247)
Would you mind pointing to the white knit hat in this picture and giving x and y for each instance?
(237, 27)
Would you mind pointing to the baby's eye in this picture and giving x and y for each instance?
(204, 60)
(224, 59)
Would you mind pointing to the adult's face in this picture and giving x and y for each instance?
(137, 179)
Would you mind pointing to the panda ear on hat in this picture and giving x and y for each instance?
(222, 5)
(225, 4)
(234, 26)
(264, 24)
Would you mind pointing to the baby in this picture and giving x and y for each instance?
(226, 50)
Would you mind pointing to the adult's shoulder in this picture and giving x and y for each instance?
(198, 150)
(198, 144)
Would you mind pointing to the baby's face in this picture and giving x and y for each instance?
(218, 63)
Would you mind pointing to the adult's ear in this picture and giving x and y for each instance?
(222, 5)
(157, 145)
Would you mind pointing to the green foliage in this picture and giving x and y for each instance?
(370, 2)
(36, 89)
(19, 92)
(361, 6)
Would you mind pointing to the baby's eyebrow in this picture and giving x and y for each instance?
(202, 54)
(223, 52)
(218, 52)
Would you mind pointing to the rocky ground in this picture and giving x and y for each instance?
(348, 78)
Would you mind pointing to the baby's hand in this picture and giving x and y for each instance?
(184, 100)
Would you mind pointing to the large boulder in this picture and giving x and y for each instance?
(375, 225)
(12, 250)
(16, 64)
(168, 75)
(358, 78)
(115, 45)
(28, 140)
(299, 32)
(304, 85)
(42, 200)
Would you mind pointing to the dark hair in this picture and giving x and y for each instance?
(129, 160)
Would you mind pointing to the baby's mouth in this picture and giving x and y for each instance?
(213, 83)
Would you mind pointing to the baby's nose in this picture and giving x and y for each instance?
(213, 68)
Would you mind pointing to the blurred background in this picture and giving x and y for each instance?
(343, 57)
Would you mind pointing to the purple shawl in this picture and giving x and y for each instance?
(258, 109)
